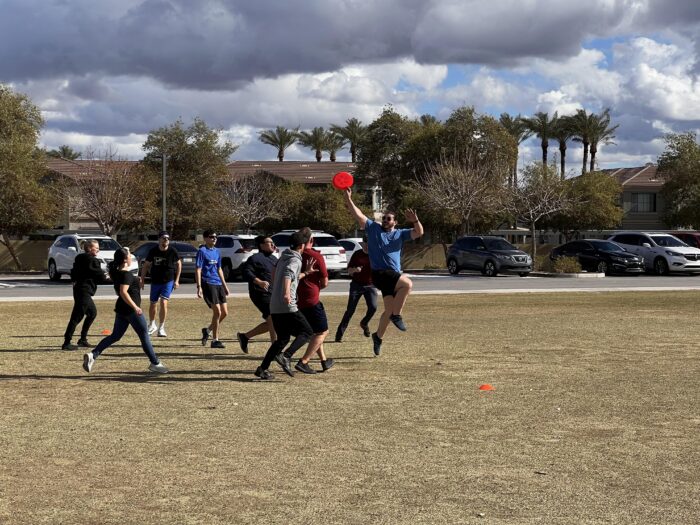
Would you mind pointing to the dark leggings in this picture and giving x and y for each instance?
(84, 307)
(357, 291)
(121, 323)
(287, 325)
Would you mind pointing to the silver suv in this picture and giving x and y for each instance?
(489, 255)
(64, 249)
(324, 243)
(235, 250)
(663, 253)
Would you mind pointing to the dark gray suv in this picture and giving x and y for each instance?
(489, 255)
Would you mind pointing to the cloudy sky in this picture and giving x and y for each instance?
(105, 72)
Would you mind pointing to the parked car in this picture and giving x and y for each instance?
(64, 249)
(235, 250)
(596, 255)
(185, 250)
(662, 253)
(691, 238)
(324, 243)
(351, 245)
(489, 255)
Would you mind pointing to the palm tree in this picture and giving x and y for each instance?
(334, 142)
(542, 126)
(601, 133)
(428, 120)
(516, 128)
(582, 125)
(65, 152)
(353, 132)
(315, 140)
(563, 132)
(280, 138)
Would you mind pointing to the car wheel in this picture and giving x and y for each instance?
(53, 271)
(524, 274)
(603, 267)
(660, 266)
(490, 269)
(227, 270)
(452, 267)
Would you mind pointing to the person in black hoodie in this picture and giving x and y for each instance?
(85, 274)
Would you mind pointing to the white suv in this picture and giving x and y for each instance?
(324, 243)
(662, 252)
(235, 250)
(64, 249)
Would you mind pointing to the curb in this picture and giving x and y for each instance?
(592, 275)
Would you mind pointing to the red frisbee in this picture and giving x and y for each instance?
(342, 180)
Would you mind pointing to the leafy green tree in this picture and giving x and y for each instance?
(316, 139)
(602, 133)
(542, 126)
(196, 163)
(280, 138)
(679, 166)
(254, 198)
(353, 132)
(25, 204)
(65, 152)
(516, 128)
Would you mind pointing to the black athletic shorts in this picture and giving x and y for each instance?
(316, 316)
(213, 294)
(262, 303)
(385, 281)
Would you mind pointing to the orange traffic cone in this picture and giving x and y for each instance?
(486, 386)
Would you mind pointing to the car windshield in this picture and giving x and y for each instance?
(183, 247)
(667, 241)
(607, 246)
(108, 245)
(247, 244)
(325, 242)
(498, 244)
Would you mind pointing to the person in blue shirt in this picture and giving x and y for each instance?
(212, 286)
(384, 245)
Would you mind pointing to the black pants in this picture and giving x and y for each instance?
(84, 307)
(286, 326)
(356, 291)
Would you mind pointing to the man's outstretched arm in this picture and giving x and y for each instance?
(417, 231)
(354, 210)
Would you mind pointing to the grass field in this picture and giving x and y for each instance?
(594, 419)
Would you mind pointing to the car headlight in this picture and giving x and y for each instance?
(504, 257)
(618, 259)
(673, 254)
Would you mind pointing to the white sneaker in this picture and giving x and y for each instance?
(161, 332)
(152, 328)
(158, 368)
(88, 362)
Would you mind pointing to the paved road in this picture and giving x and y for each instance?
(18, 288)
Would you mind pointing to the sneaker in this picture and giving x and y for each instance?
(304, 367)
(152, 328)
(365, 329)
(263, 374)
(217, 344)
(68, 346)
(161, 332)
(159, 368)
(327, 364)
(243, 341)
(338, 336)
(398, 322)
(377, 344)
(83, 343)
(88, 362)
(206, 334)
(285, 363)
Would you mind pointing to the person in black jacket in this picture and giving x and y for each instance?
(258, 272)
(85, 274)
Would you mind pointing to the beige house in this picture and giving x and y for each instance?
(641, 197)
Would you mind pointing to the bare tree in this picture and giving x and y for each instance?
(254, 198)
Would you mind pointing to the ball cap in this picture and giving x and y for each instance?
(164, 234)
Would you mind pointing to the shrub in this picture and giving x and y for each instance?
(433, 266)
(567, 265)
(543, 263)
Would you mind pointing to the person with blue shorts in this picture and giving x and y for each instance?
(165, 266)
(211, 285)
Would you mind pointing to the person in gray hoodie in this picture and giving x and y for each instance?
(286, 318)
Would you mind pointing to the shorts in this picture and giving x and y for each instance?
(385, 281)
(316, 316)
(262, 303)
(161, 290)
(213, 294)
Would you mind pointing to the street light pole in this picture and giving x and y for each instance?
(164, 205)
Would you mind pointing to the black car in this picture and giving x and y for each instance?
(186, 251)
(489, 255)
(600, 256)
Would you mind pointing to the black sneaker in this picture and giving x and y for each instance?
(217, 344)
(327, 364)
(206, 333)
(285, 363)
(365, 330)
(398, 322)
(377, 344)
(263, 374)
(68, 346)
(304, 367)
(83, 343)
(338, 337)
(243, 341)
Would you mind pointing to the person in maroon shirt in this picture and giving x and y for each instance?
(360, 285)
(310, 305)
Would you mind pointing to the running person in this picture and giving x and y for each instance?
(86, 271)
(258, 272)
(286, 317)
(165, 265)
(384, 245)
(128, 312)
(212, 286)
(360, 286)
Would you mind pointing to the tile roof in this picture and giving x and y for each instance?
(292, 170)
(639, 176)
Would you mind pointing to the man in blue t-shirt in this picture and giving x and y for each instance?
(384, 244)
(212, 286)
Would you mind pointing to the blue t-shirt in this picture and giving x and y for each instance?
(209, 260)
(384, 248)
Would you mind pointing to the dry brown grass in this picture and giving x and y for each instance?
(594, 419)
